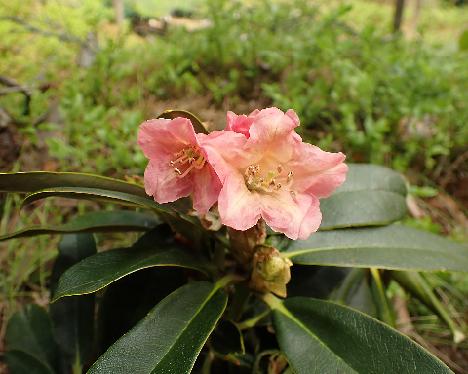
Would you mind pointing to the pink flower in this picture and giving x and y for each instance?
(268, 172)
(177, 163)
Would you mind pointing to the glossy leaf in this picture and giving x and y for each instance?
(39, 180)
(393, 247)
(29, 332)
(170, 337)
(84, 193)
(323, 337)
(126, 301)
(104, 221)
(96, 272)
(73, 317)
(196, 122)
(371, 196)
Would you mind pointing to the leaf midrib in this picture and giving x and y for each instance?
(301, 252)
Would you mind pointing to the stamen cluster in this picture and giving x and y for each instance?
(258, 167)
(190, 158)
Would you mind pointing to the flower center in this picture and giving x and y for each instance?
(186, 160)
(271, 181)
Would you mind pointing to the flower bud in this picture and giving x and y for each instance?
(271, 271)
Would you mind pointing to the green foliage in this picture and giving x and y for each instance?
(198, 309)
(381, 98)
(343, 339)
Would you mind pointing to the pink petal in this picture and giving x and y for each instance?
(238, 207)
(328, 181)
(163, 184)
(292, 114)
(158, 137)
(206, 187)
(225, 151)
(271, 124)
(296, 217)
(316, 171)
(239, 123)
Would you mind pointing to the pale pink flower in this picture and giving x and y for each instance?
(268, 172)
(177, 165)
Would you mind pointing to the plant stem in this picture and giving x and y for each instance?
(251, 322)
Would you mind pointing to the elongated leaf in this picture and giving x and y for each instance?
(366, 177)
(196, 122)
(96, 272)
(361, 208)
(85, 193)
(29, 334)
(19, 362)
(322, 337)
(393, 247)
(128, 300)
(104, 221)
(40, 180)
(73, 317)
(371, 196)
(170, 337)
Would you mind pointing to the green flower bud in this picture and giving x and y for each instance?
(270, 271)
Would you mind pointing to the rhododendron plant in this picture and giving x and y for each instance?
(214, 290)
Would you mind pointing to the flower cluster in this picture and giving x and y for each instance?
(258, 167)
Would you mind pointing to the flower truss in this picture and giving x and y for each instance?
(257, 168)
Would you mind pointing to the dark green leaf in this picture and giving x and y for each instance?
(73, 317)
(40, 180)
(96, 272)
(170, 337)
(315, 281)
(393, 247)
(227, 338)
(323, 337)
(104, 221)
(371, 196)
(196, 122)
(129, 299)
(19, 362)
(85, 193)
(29, 331)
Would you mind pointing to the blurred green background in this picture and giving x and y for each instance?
(77, 78)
